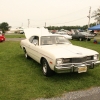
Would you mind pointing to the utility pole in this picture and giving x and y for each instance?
(89, 17)
(28, 23)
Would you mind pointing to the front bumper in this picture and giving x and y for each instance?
(76, 67)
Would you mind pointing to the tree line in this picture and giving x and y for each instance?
(4, 26)
(85, 27)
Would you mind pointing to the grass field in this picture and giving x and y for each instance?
(13, 35)
(22, 79)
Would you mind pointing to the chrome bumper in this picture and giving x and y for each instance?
(76, 67)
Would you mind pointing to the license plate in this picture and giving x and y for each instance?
(82, 69)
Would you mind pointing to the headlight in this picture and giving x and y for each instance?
(96, 57)
(89, 57)
(59, 61)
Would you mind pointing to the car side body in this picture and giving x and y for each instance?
(2, 38)
(56, 53)
(82, 36)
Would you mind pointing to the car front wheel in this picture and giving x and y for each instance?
(46, 69)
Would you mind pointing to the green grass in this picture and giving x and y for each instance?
(22, 79)
(15, 35)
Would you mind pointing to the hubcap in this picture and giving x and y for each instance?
(45, 68)
(26, 55)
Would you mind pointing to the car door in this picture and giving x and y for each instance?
(34, 48)
(75, 36)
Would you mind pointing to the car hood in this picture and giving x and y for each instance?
(35, 31)
(67, 51)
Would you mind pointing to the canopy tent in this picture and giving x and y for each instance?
(97, 27)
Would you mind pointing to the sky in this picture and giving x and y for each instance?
(38, 13)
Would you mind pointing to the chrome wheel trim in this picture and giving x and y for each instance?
(26, 55)
(45, 68)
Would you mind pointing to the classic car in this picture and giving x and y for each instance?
(65, 34)
(2, 38)
(56, 53)
(82, 36)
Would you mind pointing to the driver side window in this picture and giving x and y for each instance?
(35, 40)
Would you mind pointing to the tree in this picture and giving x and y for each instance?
(4, 27)
(96, 15)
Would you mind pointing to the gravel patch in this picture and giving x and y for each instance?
(90, 94)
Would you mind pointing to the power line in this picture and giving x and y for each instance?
(62, 15)
(71, 21)
(64, 22)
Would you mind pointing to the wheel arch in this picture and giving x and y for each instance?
(24, 49)
(42, 59)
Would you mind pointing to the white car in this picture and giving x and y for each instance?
(65, 34)
(56, 54)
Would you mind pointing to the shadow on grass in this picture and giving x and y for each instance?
(68, 75)
(58, 77)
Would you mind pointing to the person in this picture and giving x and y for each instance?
(95, 42)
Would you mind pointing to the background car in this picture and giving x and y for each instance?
(2, 38)
(21, 32)
(82, 36)
(65, 35)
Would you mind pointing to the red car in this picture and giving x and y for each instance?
(2, 38)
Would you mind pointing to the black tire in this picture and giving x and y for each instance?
(26, 55)
(88, 39)
(46, 69)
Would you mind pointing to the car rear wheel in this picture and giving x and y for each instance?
(46, 69)
(26, 55)
(88, 39)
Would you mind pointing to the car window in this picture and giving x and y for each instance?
(34, 40)
(31, 39)
(49, 40)
(46, 40)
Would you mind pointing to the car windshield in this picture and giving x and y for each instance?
(50, 40)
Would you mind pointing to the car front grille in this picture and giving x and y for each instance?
(80, 60)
